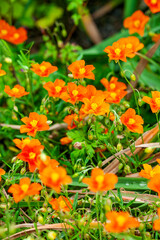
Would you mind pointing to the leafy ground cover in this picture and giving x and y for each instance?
(79, 136)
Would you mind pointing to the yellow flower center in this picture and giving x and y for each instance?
(157, 100)
(82, 70)
(42, 68)
(152, 173)
(100, 179)
(15, 90)
(55, 177)
(137, 23)
(24, 187)
(4, 31)
(62, 204)
(112, 86)
(121, 220)
(58, 89)
(154, 2)
(118, 51)
(26, 141)
(129, 45)
(16, 35)
(75, 92)
(32, 155)
(131, 121)
(94, 106)
(113, 95)
(34, 123)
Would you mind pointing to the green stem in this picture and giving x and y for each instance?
(130, 86)
(97, 213)
(134, 92)
(31, 89)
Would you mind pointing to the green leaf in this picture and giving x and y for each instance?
(126, 236)
(137, 184)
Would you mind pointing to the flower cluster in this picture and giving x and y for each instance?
(123, 48)
(12, 34)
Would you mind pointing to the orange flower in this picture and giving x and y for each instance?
(17, 36)
(136, 23)
(44, 69)
(23, 189)
(62, 204)
(21, 143)
(65, 140)
(132, 121)
(116, 52)
(44, 161)
(17, 92)
(156, 223)
(120, 222)
(154, 102)
(148, 172)
(4, 30)
(154, 184)
(100, 181)
(55, 89)
(34, 123)
(55, 177)
(154, 5)
(156, 37)
(132, 44)
(158, 160)
(71, 120)
(75, 93)
(115, 90)
(95, 105)
(11, 34)
(30, 153)
(2, 72)
(79, 70)
(2, 172)
(92, 91)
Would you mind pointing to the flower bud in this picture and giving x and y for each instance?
(100, 164)
(127, 169)
(23, 170)
(36, 198)
(120, 166)
(149, 150)
(8, 60)
(41, 219)
(133, 77)
(119, 147)
(140, 102)
(51, 235)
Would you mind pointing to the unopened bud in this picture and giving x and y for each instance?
(140, 102)
(127, 169)
(100, 164)
(8, 60)
(119, 147)
(51, 235)
(40, 219)
(133, 77)
(23, 170)
(78, 145)
(149, 150)
(36, 198)
(120, 166)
